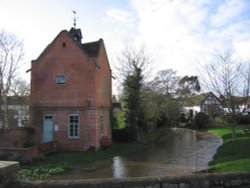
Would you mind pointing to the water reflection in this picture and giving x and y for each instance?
(118, 167)
(185, 152)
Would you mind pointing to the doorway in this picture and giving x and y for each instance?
(47, 128)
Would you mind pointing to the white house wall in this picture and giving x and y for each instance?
(196, 109)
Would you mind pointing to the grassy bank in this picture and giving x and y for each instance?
(232, 156)
(59, 162)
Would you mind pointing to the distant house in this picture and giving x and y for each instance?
(17, 110)
(71, 92)
(207, 103)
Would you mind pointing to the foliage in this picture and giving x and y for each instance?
(244, 119)
(123, 135)
(119, 120)
(183, 118)
(160, 109)
(156, 135)
(42, 172)
(188, 85)
(218, 121)
(201, 120)
(133, 112)
(232, 155)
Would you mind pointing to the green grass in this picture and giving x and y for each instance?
(61, 161)
(232, 156)
(81, 157)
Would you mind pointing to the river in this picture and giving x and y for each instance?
(187, 151)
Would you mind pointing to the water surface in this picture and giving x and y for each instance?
(187, 151)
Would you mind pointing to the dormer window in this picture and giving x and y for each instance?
(60, 80)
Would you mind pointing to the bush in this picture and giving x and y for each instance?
(123, 135)
(183, 118)
(219, 121)
(201, 120)
(244, 119)
(39, 173)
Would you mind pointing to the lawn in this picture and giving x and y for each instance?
(59, 162)
(232, 156)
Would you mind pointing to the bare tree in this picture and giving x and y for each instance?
(228, 79)
(11, 56)
(165, 82)
(20, 87)
(130, 58)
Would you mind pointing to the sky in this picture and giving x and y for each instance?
(177, 34)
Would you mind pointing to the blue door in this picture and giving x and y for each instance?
(47, 128)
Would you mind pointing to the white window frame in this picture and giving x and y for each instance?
(71, 125)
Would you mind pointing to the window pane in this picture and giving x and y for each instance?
(74, 126)
(60, 80)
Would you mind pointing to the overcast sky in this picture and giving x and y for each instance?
(177, 34)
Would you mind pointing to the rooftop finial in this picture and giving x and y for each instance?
(74, 12)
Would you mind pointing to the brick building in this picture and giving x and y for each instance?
(71, 92)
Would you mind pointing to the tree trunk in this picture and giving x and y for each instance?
(5, 113)
(234, 132)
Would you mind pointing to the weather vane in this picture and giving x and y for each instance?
(74, 12)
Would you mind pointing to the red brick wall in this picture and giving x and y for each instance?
(69, 61)
(103, 80)
(90, 133)
(83, 82)
(16, 138)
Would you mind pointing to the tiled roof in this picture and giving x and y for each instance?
(92, 48)
(196, 100)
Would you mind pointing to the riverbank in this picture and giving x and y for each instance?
(68, 161)
(231, 156)
(183, 152)
(64, 160)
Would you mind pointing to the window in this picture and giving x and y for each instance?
(60, 80)
(74, 126)
(47, 117)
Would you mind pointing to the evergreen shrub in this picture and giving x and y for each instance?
(201, 120)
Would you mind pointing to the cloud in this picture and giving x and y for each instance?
(118, 15)
(229, 11)
(180, 33)
(173, 30)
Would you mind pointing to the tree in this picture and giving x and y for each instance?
(161, 94)
(11, 56)
(165, 82)
(188, 85)
(133, 63)
(132, 100)
(228, 79)
(161, 110)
